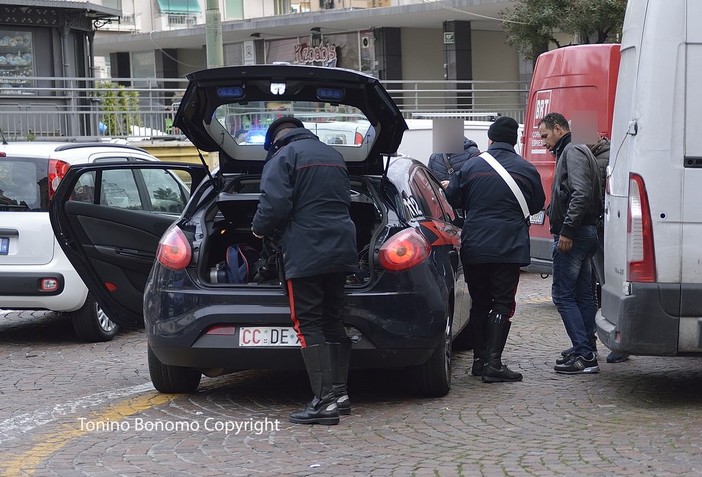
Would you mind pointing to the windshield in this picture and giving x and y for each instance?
(23, 185)
(339, 125)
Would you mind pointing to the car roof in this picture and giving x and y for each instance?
(40, 149)
(274, 89)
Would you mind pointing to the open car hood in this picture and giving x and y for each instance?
(227, 110)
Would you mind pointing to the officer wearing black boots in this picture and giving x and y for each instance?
(494, 242)
(305, 193)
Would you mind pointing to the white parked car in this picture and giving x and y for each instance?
(34, 271)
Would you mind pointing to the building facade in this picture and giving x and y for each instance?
(447, 55)
(411, 42)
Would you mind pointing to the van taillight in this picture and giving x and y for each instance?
(57, 169)
(358, 138)
(639, 233)
(404, 250)
(174, 250)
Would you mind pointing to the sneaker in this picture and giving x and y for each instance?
(565, 357)
(615, 357)
(578, 365)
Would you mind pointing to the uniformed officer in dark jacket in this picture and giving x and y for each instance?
(494, 243)
(305, 193)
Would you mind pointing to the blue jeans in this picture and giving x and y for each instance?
(572, 291)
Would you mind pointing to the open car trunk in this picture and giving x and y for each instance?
(232, 255)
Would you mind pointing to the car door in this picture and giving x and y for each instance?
(109, 218)
(437, 226)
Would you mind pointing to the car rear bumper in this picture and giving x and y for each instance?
(22, 290)
(541, 255)
(220, 355)
(387, 329)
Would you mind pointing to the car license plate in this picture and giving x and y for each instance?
(250, 336)
(537, 218)
(4, 245)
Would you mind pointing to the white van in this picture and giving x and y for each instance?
(652, 297)
(417, 141)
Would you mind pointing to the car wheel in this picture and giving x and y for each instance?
(434, 377)
(91, 323)
(172, 379)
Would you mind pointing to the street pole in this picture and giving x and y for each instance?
(215, 52)
(213, 35)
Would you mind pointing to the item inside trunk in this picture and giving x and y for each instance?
(234, 256)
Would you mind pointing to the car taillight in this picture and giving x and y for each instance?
(639, 233)
(404, 250)
(57, 169)
(358, 138)
(174, 250)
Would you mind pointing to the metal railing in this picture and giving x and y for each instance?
(34, 107)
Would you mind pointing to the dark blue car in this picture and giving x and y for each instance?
(209, 293)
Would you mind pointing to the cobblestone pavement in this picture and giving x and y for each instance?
(69, 408)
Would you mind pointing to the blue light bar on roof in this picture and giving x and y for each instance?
(330, 94)
(231, 92)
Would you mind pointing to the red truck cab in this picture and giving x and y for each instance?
(578, 82)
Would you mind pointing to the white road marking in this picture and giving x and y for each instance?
(13, 427)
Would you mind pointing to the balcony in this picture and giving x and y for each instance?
(75, 107)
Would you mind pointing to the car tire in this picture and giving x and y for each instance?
(92, 324)
(172, 379)
(433, 378)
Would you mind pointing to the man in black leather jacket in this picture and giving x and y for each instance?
(306, 194)
(574, 211)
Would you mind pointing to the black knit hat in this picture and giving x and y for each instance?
(288, 121)
(504, 129)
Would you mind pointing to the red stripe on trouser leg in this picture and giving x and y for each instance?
(293, 316)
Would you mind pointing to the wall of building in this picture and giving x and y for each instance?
(258, 9)
(420, 58)
(191, 60)
(488, 45)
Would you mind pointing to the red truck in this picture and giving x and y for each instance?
(580, 83)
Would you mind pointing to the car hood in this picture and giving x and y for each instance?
(213, 113)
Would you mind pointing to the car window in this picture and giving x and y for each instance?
(165, 191)
(84, 190)
(119, 189)
(21, 183)
(425, 196)
(112, 159)
(340, 125)
(161, 191)
(449, 212)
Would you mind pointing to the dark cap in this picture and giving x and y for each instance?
(280, 123)
(504, 129)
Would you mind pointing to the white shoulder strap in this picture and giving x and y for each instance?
(509, 180)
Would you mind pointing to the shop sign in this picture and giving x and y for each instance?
(305, 54)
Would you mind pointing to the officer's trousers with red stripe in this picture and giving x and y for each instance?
(316, 305)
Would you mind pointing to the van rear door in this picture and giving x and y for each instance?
(691, 270)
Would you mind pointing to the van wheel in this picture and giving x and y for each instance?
(433, 378)
(172, 379)
(91, 323)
